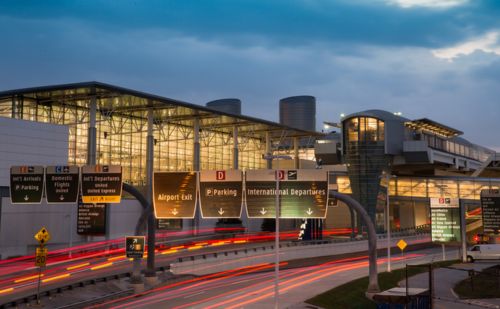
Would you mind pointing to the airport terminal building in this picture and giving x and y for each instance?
(95, 123)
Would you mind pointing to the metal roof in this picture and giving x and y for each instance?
(128, 102)
(434, 127)
(377, 113)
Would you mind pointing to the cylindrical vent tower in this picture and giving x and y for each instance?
(230, 106)
(299, 112)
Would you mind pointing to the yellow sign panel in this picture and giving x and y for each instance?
(402, 244)
(42, 236)
(101, 199)
(41, 257)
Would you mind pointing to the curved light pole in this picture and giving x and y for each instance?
(373, 286)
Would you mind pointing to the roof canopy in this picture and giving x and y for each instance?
(114, 100)
(434, 127)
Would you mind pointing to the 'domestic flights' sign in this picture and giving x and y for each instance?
(445, 219)
(26, 184)
(221, 194)
(174, 194)
(101, 184)
(62, 184)
(302, 193)
(490, 204)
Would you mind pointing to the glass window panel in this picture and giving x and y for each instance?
(344, 184)
(353, 130)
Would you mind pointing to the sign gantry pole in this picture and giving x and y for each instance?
(277, 240)
(151, 216)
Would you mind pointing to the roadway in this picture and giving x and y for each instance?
(19, 277)
(253, 286)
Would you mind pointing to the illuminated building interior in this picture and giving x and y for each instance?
(121, 129)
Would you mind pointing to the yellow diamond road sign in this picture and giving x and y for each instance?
(402, 244)
(42, 236)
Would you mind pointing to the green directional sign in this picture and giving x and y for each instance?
(221, 194)
(302, 193)
(445, 219)
(62, 184)
(174, 194)
(26, 184)
(490, 204)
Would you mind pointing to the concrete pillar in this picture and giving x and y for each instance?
(296, 152)
(196, 144)
(196, 168)
(235, 148)
(92, 133)
(269, 150)
(13, 109)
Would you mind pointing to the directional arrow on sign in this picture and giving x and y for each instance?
(263, 211)
(174, 212)
(221, 211)
(309, 211)
(26, 198)
(61, 198)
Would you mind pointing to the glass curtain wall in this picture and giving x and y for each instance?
(121, 137)
(366, 159)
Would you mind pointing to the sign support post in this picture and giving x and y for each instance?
(150, 270)
(463, 231)
(277, 241)
(41, 257)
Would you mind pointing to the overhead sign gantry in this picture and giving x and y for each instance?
(174, 194)
(26, 184)
(221, 194)
(101, 184)
(302, 193)
(62, 184)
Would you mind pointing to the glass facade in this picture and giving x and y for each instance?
(365, 158)
(409, 196)
(121, 129)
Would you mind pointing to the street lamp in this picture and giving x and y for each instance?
(387, 219)
(270, 157)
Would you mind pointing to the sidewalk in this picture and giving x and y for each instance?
(444, 281)
(296, 299)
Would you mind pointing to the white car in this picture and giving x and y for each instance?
(484, 252)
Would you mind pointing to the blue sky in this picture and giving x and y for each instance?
(438, 59)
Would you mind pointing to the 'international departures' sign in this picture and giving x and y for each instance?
(302, 193)
(101, 184)
(174, 194)
(26, 184)
(490, 204)
(221, 194)
(445, 219)
(62, 184)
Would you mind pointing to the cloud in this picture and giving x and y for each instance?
(487, 43)
(432, 4)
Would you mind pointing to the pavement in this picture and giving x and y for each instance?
(444, 280)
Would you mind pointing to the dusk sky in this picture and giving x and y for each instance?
(438, 59)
